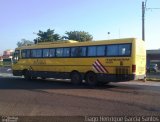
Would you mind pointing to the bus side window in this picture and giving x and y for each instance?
(112, 50)
(52, 53)
(91, 51)
(36, 53)
(100, 50)
(39, 53)
(33, 53)
(23, 53)
(74, 51)
(45, 53)
(59, 52)
(66, 52)
(28, 52)
(82, 51)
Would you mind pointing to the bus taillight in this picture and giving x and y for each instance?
(133, 68)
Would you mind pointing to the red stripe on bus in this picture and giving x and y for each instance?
(96, 68)
(99, 66)
(103, 66)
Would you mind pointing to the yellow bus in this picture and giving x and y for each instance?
(95, 62)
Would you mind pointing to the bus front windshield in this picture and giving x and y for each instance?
(16, 56)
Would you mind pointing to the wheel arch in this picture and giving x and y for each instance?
(24, 71)
(74, 71)
(76, 77)
(90, 71)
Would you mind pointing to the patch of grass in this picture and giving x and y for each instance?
(1, 63)
(153, 79)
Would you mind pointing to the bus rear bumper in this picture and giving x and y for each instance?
(139, 77)
(118, 78)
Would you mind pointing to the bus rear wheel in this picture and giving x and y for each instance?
(76, 78)
(91, 79)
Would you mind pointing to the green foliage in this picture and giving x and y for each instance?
(1, 63)
(48, 36)
(51, 36)
(24, 42)
(80, 36)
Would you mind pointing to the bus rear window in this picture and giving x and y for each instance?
(118, 50)
(124, 50)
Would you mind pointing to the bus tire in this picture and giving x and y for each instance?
(34, 78)
(76, 78)
(102, 83)
(43, 78)
(91, 79)
(27, 75)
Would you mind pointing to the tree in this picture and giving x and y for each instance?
(48, 36)
(24, 42)
(80, 36)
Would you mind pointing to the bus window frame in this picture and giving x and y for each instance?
(77, 56)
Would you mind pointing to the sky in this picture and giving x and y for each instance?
(122, 18)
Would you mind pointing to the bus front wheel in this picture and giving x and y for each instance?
(91, 79)
(27, 75)
(76, 78)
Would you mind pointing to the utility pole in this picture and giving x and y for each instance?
(144, 8)
(143, 21)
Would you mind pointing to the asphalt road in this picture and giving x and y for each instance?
(19, 97)
(59, 98)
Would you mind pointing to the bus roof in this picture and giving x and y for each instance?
(69, 43)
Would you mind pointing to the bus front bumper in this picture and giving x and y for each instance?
(17, 72)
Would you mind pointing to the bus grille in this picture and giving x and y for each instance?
(122, 73)
(122, 70)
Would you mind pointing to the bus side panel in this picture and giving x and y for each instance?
(115, 68)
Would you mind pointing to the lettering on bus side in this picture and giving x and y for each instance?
(109, 61)
(39, 62)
